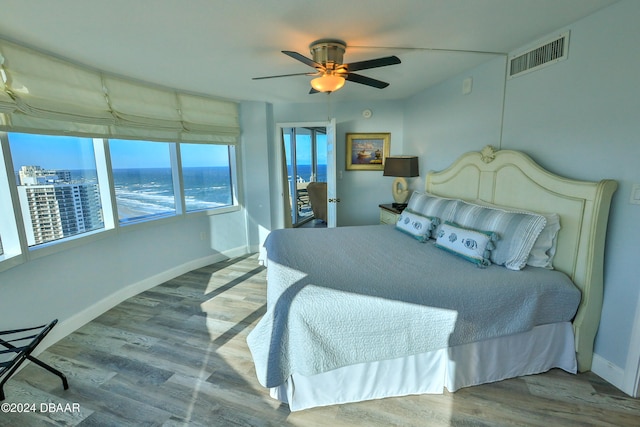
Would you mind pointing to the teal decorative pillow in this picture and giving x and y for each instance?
(415, 225)
(472, 245)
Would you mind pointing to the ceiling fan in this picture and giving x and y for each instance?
(330, 73)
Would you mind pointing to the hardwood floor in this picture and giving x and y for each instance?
(177, 355)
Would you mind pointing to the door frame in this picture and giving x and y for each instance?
(331, 169)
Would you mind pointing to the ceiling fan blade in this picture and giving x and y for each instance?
(310, 62)
(312, 91)
(368, 81)
(284, 75)
(373, 63)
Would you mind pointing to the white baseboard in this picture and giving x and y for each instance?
(609, 372)
(67, 326)
(234, 253)
(632, 367)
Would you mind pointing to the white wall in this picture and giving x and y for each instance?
(256, 122)
(442, 123)
(578, 118)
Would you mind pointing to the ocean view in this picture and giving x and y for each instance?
(143, 192)
(149, 191)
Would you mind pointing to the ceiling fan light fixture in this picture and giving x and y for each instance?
(327, 83)
(332, 73)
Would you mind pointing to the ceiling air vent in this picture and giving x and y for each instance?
(547, 53)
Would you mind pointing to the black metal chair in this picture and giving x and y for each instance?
(19, 344)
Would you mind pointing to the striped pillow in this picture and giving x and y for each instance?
(426, 204)
(517, 231)
(544, 248)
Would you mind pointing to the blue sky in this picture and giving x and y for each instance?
(204, 155)
(51, 152)
(303, 151)
(136, 154)
(61, 152)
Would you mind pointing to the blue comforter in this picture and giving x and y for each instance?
(349, 295)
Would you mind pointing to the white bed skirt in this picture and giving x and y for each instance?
(543, 348)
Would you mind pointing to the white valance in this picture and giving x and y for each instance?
(41, 93)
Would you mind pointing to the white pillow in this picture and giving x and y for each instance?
(417, 226)
(544, 249)
(517, 231)
(472, 245)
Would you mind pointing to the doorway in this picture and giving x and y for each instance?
(306, 158)
(306, 154)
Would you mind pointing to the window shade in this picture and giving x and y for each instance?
(41, 93)
(7, 104)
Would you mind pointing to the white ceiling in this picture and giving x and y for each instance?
(215, 47)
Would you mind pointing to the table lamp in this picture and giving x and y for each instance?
(401, 167)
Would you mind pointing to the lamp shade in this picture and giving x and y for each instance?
(404, 166)
(327, 83)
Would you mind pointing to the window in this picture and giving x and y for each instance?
(143, 179)
(9, 239)
(206, 174)
(57, 185)
(55, 188)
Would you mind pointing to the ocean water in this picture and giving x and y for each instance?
(149, 192)
(145, 192)
(207, 187)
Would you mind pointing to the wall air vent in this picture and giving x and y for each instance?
(542, 55)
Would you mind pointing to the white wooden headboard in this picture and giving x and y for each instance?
(511, 178)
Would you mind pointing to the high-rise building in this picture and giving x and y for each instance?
(35, 175)
(53, 207)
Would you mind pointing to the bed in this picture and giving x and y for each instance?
(462, 294)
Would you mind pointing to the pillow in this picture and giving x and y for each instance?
(417, 226)
(544, 248)
(518, 231)
(428, 205)
(472, 245)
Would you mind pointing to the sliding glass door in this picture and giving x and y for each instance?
(306, 158)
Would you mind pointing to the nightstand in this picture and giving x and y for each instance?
(389, 214)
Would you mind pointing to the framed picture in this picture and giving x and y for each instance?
(367, 151)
